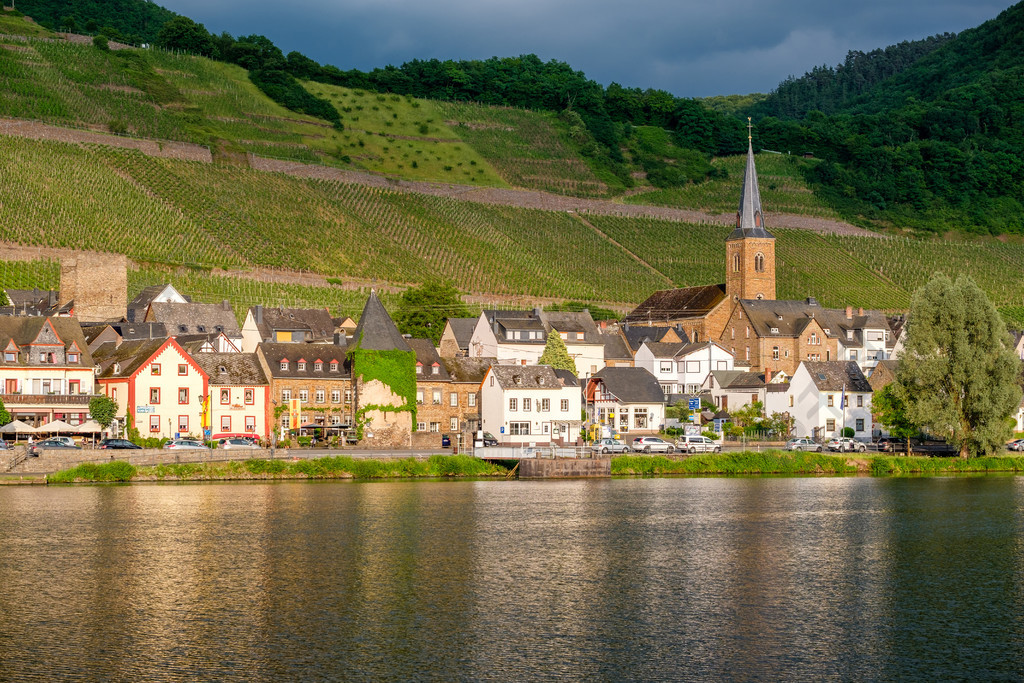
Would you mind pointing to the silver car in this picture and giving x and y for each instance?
(609, 446)
(698, 444)
(185, 444)
(652, 444)
(804, 444)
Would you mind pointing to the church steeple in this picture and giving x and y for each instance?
(750, 249)
(749, 219)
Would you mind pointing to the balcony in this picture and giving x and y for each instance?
(47, 399)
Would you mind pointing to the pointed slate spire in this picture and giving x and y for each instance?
(376, 330)
(749, 219)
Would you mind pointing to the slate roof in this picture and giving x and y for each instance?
(615, 348)
(23, 330)
(468, 369)
(526, 377)
(567, 377)
(462, 329)
(833, 375)
(140, 330)
(573, 321)
(631, 385)
(750, 218)
(678, 304)
(636, 335)
(427, 356)
(193, 318)
(316, 321)
(235, 369)
(791, 318)
(137, 307)
(376, 330)
(130, 355)
(665, 350)
(738, 379)
(275, 352)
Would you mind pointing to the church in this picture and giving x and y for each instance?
(744, 316)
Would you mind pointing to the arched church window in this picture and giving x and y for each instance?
(735, 263)
(759, 262)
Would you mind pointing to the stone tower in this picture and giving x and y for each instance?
(97, 283)
(750, 249)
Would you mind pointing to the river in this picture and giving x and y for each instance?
(625, 579)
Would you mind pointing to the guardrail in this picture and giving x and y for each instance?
(522, 452)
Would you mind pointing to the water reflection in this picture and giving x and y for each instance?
(626, 579)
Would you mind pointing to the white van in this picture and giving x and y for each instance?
(698, 444)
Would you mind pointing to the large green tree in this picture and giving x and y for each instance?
(957, 374)
(103, 409)
(892, 412)
(5, 417)
(556, 355)
(423, 311)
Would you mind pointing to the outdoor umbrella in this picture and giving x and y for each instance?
(18, 427)
(57, 426)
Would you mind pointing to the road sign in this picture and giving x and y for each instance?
(694, 404)
(144, 409)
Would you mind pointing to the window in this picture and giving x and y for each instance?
(732, 333)
(419, 369)
(183, 395)
(154, 395)
(453, 399)
(304, 395)
(435, 370)
(565, 405)
(860, 400)
(775, 353)
(435, 427)
(154, 423)
(748, 331)
(640, 418)
(435, 397)
(250, 397)
(250, 423)
(419, 397)
(318, 366)
(759, 262)
(453, 424)
(286, 395)
(348, 396)
(335, 396)
(10, 356)
(527, 405)
(182, 368)
(225, 396)
(154, 369)
(831, 400)
(853, 354)
(225, 423)
(302, 366)
(284, 364)
(860, 424)
(830, 425)
(421, 426)
(545, 405)
(286, 421)
(471, 399)
(735, 263)
(113, 394)
(183, 424)
(666, 366)
(320, 395)
(518, 428)
(814, 338)
(334, 366)
(513, 404)
(335, 419)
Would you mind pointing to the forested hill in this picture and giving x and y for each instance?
(131, 21)
(829, 90)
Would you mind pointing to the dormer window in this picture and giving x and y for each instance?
(72, 358)
(828, 331)
(334, 366)
(419, 369)
(182, 329)
(117, 368)
(284, 364)
(775, 330)
(201, 328)
(318, 366)
(10, 357)
(302, 365)
(435, 370)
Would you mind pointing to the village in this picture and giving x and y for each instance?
(685, 361)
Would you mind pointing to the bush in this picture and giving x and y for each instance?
(101, 43)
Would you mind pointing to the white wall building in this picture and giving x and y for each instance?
(531, 405)
(682, 368)
(828, 395)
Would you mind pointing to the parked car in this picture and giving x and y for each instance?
(185, 444)
(3, 445)
(123, 444)
(237, 443)
(803, 444)
(609, 446)
(846, 444)
(890, 444)
(693, 443)
(38, 446)
(652, 444)
(67, 440)
(489, 439)
(1015, 445)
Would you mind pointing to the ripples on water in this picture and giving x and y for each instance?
(663, 579)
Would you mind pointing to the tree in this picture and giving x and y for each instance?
(5, 417)
(556, 355)
(423, 311)
(181, 33)
(892, 412)
(103, 409)
(957, 374)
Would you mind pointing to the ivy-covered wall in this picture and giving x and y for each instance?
(393, 368)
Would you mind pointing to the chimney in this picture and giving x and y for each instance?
(604, 324)
(860, 311)
(340, 339)
(536, 312)
(849, 312)
(257, 313)
(226, 305)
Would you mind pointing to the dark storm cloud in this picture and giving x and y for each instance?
(690, 48)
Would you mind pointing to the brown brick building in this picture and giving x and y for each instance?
(446, 402)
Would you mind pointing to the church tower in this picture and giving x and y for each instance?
(750, 249)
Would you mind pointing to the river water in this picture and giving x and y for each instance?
(623, 579)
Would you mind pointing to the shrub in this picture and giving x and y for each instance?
(101, 43)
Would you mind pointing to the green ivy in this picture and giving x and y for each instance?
(395, 369)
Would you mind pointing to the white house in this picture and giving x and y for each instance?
(523, 405)
(682, 368)
(519, 337)
(828, 395)
(623, 400)
(734, 389)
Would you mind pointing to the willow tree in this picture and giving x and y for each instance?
(957, 374)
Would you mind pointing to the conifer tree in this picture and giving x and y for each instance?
(556, 355)
(957, 374)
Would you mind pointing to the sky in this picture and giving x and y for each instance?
(690, 48)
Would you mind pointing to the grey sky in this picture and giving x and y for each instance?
(689, 48)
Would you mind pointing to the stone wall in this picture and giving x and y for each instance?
(383, 428)
(564, 468)
(98, 284)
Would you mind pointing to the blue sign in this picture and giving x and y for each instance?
(694, 404)
(207, 432)
(502, 431)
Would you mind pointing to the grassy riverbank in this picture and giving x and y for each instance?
(340, 467)
(783, 462)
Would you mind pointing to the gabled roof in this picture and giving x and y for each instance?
(791, 319)
(630, 385)
(376, 330)
(317, 321)
(193, 318)
(275, 352)
(462, 330)
(749, 218)
(466, 369)
(427, 356)
(22, 331)
(526, 377)
(678, 304)
(615, 348)
(738, 379)
(129, 356)
(580, 322)
(636, 335)
(233, 369)
(166, 292)
(664, 350)
(833, 375)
